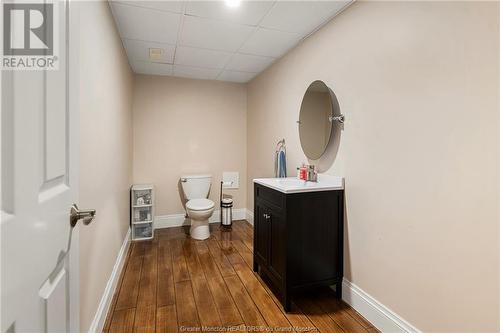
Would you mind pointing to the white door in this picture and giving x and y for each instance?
(39, 121)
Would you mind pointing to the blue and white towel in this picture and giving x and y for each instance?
(281, 163)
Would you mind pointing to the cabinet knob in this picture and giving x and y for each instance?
(267, 216)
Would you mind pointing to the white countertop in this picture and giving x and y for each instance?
(295, 185)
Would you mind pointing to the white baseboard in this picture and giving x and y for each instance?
(177, 220)
(169, 221)
(249, 216)
(102, 309)
(375, 312)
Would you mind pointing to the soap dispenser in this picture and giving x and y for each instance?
(302, 172)
(312, 174)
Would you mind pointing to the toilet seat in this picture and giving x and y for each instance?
(200, 204)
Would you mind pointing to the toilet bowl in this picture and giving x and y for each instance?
(199, 209)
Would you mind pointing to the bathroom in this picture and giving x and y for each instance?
(396, 228)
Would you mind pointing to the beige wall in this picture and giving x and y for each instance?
(498, 148)
(184, 126)
(417, 82)
(106, 84)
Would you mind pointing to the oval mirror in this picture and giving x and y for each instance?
(315, 120)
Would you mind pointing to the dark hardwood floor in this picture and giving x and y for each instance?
(176, 284)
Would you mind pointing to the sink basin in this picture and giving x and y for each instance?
(294, 185)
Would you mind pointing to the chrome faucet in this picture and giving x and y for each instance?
(312, 174)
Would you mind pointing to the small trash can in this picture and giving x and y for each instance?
(226, 212)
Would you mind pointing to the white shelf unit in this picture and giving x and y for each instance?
(142, 200)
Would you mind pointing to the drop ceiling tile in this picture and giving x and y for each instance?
(301, 16)
(247, 38)
(248, 12)
(191, 56)
(249, 63)
(211, 34)
(139, 50)
(169, 6)
(271, 43)
(196, 72)
(151, 68)
(235, 76)
(146, 24)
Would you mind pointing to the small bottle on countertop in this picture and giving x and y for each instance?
(303, 172)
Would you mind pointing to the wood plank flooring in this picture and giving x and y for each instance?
(176, 284)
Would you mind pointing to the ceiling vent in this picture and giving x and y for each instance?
(155, 54)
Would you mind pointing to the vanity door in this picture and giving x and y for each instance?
(261, 241)
(277, 245)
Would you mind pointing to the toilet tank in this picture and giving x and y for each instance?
(196, 186)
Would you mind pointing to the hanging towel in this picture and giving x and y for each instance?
(281, 164)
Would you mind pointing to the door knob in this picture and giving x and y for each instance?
(75, 215)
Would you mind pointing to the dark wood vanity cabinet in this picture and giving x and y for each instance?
(298, 239)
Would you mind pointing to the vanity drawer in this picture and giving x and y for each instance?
(270, 196)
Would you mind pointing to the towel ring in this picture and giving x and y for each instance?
(280, 144)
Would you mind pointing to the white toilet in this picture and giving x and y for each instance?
(198, 207)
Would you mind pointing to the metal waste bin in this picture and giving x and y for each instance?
(226, 212)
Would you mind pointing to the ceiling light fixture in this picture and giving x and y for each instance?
(233, 3)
